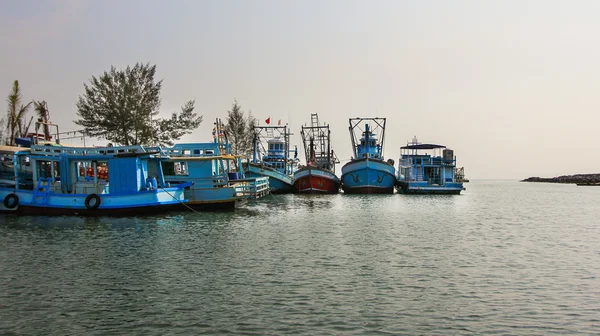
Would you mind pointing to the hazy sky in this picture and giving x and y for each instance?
(512, 86)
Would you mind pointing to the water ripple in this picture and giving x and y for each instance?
(503, 258)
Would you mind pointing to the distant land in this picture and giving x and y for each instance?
(580, 179)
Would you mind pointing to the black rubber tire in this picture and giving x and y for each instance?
(11, 201)
(92, 205)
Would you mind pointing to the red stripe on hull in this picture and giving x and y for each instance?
(369, 190)
(312, 184)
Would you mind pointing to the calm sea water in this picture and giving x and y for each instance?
(503, 258)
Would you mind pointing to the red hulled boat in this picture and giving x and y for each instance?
(318, 176)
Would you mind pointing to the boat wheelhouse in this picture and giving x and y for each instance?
(274, 161)
(368, 172)
(91, 181)
(217, 183)
(428, 169)
(318, 175)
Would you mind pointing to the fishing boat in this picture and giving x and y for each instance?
(427, 169)
(318, 176)
(218, 183)
(367, 172)
(91, 181)
(274, 160)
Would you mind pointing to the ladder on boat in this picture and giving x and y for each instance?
(42, 190)
(314, 119)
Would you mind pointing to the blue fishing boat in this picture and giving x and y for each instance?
(7, 174)
(428, 169)
(217, 183)
(368, 172)
(90, 181)
(274, 161)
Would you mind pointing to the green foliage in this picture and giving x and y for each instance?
(240, 130)
(16, 123)
(41, 109)
(122, 106)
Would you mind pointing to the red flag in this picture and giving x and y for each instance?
(268, 121)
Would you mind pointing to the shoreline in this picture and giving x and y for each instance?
(579, 179)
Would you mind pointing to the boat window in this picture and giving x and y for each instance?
(197, 152)
(44, 168)
(181, 168)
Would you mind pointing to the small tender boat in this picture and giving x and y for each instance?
(318, 176)
(274, 161)
(428, 169)
(90, 181)
(367, 172)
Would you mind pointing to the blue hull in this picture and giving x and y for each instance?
(279, 182)
(453, 188)
(141, 203)
(368, 176)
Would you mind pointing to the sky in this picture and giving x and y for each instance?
(511, 86)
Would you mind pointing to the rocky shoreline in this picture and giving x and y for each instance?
(581, 179)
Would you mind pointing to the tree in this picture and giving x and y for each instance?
(16, 124)
(41, 109)
(240, 130)
(1, 129)
(122, 106)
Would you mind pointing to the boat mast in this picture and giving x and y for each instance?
(287, 149)
(351, 129)
(382, 139)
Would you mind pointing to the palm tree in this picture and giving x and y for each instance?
(41, 108)
(16, 126)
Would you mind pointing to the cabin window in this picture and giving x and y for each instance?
(175, 168)
(181, 168)
(85, 170)
(197, 152)
(44, 169)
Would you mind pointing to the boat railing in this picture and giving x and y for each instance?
(110, 150)
(251, 188)
(198, 151)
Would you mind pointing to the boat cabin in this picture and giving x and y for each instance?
(92, 174)
(368, 146)
(431, 163)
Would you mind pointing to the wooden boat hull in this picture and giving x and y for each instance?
(368, 176)
(313, 180)
(278, 182)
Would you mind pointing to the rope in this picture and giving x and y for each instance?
(185, 205)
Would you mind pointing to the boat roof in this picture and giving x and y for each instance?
(201, 158)
(423, 146)
(13, 149)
